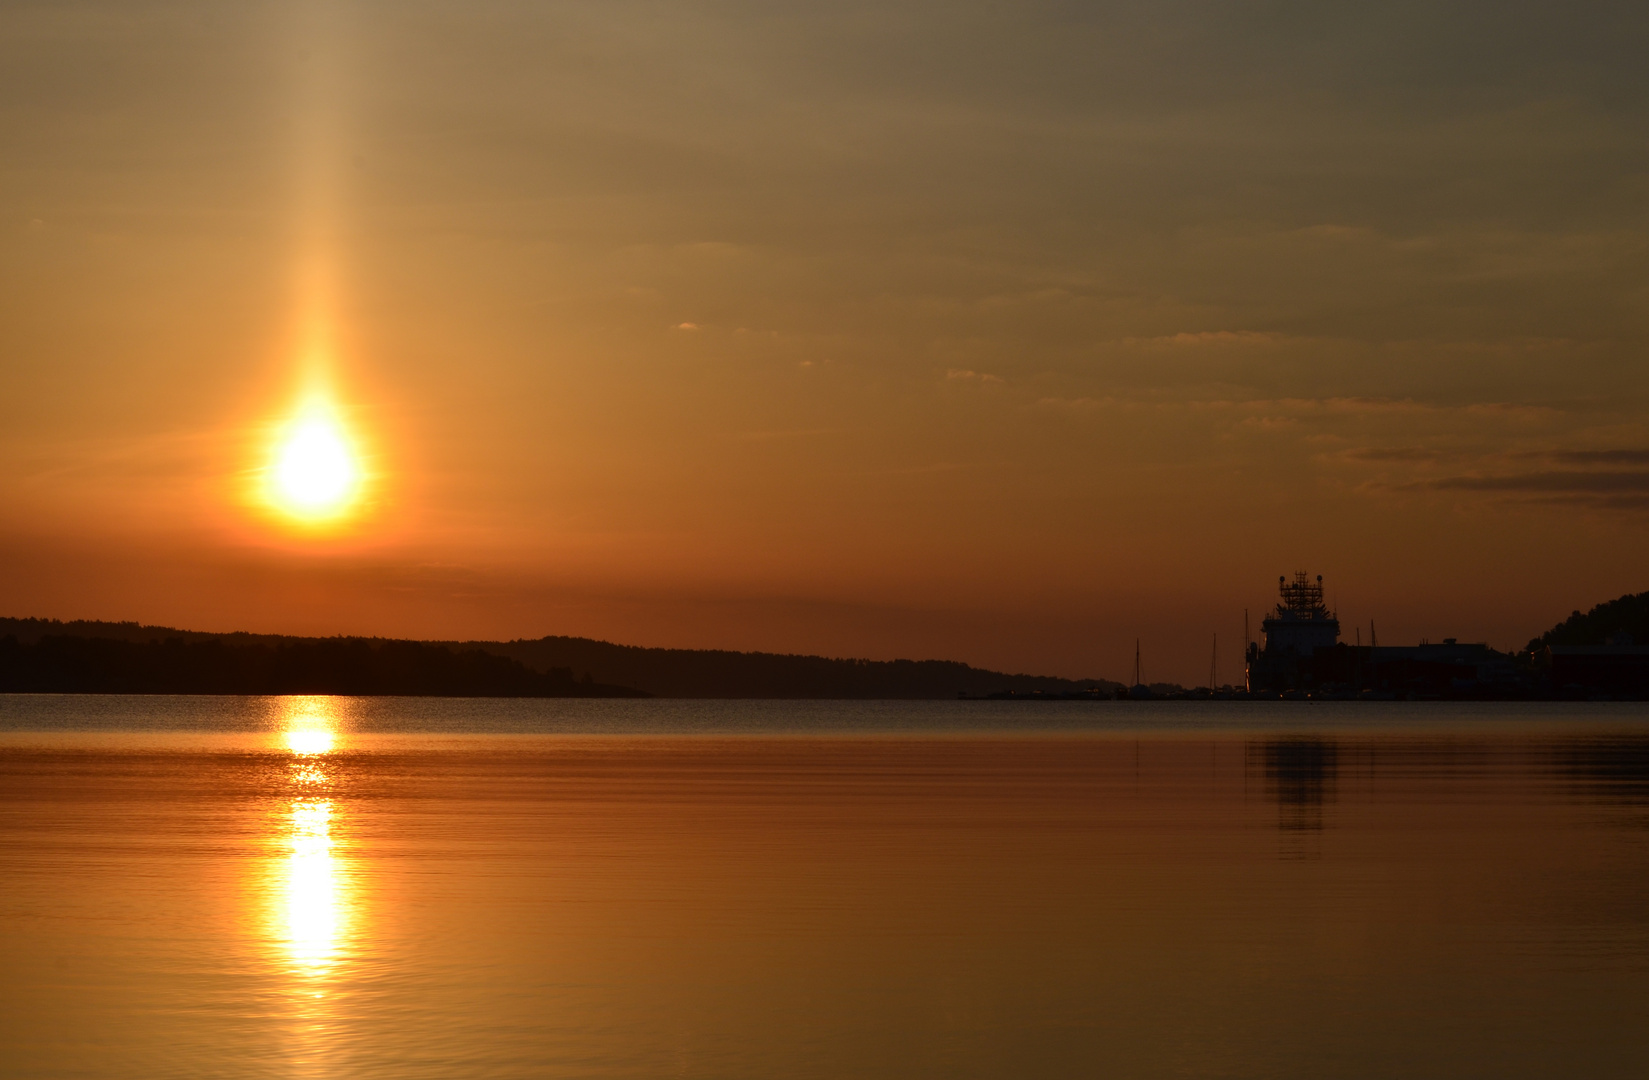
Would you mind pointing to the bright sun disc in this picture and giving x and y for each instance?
(315, 473)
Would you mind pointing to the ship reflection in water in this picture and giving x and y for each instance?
(309, 901)
(1299, 774)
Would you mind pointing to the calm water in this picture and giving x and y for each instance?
(332, 887)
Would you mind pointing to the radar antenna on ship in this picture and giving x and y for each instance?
(1302, 597)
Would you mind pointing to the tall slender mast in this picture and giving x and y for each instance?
(1245, 648)
(1136, 661)
(1214, 664)
(1373, 665)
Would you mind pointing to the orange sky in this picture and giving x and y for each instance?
(1003, 334)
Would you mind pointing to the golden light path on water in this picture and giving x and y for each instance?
(315, 889)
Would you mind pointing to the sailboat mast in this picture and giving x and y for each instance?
(1246, 647)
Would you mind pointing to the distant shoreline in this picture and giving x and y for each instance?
(43, 655)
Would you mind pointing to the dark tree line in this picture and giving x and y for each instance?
(698, 673)
(1627, 615)
(69, 664)
(709, 673)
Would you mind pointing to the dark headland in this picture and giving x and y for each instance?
(41, 656)
(47, 656)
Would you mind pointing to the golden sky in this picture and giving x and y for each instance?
(1002, 333)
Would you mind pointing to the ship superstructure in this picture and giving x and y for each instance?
(1301, 623)
(1297, 627)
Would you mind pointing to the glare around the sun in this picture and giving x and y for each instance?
(315, 472)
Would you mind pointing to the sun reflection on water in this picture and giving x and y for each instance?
(310, 723)
(313, 886)
(313, 903)
(310, 742)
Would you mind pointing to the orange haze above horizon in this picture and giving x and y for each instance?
(1008, 336)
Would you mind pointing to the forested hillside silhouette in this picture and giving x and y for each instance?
(714, 673)
(55, 663)
(1626, 615)
(127, 657)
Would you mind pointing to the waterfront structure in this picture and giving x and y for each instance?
(1297, 627)
(1301, 654)
(1620, 668)
(1446, 669)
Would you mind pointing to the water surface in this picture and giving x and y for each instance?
(325, 887)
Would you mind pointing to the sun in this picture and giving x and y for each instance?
(315, 475)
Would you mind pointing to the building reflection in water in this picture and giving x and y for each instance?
(313, 889)
(1300, 775)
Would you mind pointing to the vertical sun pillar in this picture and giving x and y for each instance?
(312, 475)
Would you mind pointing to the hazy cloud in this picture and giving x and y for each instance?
(1602, 457)
(1392, 454)
(1562, 483)
(1205, 338)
